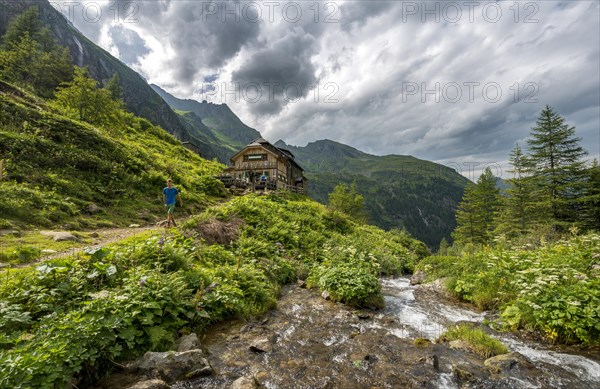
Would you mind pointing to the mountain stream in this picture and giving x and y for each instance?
(310, 342)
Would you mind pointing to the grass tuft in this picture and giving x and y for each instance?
(480, 342)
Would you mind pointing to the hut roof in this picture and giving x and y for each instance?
(286, 154)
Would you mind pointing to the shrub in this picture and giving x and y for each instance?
(169, 253)
(355, 286)
(349, 277)
(13, 318)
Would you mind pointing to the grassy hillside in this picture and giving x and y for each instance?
(230, 261)
(58, 171)
(399, 191)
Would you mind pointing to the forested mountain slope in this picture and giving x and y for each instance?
(399, 191)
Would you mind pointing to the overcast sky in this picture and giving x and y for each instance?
(454, 82)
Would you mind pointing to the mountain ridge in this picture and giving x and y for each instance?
(400, 191)
(328, 144)
(223, 132)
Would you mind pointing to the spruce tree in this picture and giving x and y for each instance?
(520, 212)
(467, 223)
(477, 210)
(27, 22)
(556, 159)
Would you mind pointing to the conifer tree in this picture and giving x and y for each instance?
(81, 99)
(27, 22)
(556, 159)
(477, 210)
(519, 214)
(15, 64)
(467, 221)
(443, 248)
(51, 69)
(114, 87)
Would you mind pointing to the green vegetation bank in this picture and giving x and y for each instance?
(548, 290)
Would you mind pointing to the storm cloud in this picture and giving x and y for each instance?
(454, 82)
(283, 72)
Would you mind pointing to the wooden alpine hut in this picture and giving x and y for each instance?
(264, 166)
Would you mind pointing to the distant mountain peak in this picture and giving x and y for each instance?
(334, 148)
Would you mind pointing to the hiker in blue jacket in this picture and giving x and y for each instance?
(170, 197)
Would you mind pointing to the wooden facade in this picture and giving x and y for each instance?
(260, 159)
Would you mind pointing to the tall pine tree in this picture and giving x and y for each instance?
(556, 159)
(520, 211)
(477, 210)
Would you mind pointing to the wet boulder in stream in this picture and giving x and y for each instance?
(150, 384)
(261, 345)
(171, 366)
(188, 342)
(508, 364)
(418, 278)
(244, 383)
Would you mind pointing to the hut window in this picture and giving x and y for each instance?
(255, 157)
